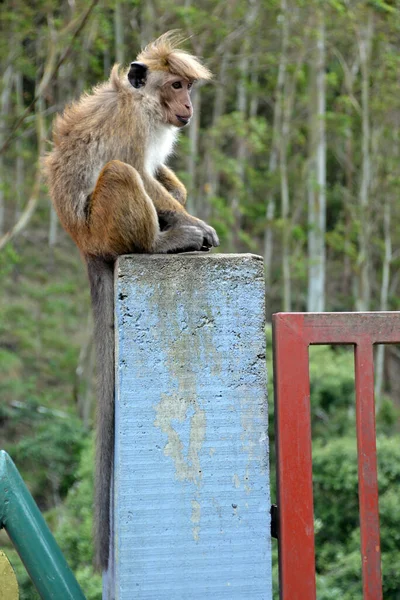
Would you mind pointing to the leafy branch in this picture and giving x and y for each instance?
(48, 76)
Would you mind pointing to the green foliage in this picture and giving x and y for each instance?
(71, 523)
(336, 510)
(9, 258)
(48, 457)
(332, 395)
(74, 532)
(335, 486)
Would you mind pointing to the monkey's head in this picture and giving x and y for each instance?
(163, 70)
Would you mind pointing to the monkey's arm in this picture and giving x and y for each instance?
(173, 212)
(163, 200)
(169, 180)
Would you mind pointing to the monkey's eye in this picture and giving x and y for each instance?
(190, 85)
(177, 85)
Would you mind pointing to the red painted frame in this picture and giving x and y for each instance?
(292, 334)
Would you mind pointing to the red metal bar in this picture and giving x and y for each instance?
(294, 465)
(293, 333)
(367, 472)
(349, 328)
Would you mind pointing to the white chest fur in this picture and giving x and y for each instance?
(161, 144)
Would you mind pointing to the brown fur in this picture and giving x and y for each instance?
(111, 190)
(169, 180)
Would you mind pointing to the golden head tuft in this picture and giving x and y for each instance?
(164, 54)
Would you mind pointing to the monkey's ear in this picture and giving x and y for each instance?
(137, 74)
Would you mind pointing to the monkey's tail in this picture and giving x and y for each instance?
(101, 281)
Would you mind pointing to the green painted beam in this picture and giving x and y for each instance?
(27, 529)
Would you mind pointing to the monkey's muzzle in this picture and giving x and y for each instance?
(183, 120)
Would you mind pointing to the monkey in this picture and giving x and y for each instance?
(114, 195)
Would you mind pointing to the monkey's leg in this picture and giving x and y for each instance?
(122, 218)
(169, 180)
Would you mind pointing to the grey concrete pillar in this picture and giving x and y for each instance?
(191, 482)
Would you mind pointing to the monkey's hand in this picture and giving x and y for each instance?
(172, 219)
(179, 238)
(171, 213)
(210, 237)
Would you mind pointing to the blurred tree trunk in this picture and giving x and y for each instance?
(288, 98)
(119, 33)
(317, 174)
(389, 197)
(349, 179)
(19, 159)
(193, 188)
(274, 154)
(285, 210)
(383, 305)
(241, 154)
(212, 176)
(41, 134)
(254, 72)
(85, 54)
(348, 165)
(363, 283)
(106, 63)
(53, 227)
(148, 20)
(5, 103)
(63, 93)
(242, 108)
(82, 386)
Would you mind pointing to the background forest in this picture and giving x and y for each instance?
(293, 153)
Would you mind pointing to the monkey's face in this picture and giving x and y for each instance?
(173, 92)
(176, 102)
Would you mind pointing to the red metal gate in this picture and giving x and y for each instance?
(292, 334)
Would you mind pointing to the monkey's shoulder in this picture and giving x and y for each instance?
(97, 112)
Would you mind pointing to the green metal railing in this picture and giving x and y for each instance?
(27, 529)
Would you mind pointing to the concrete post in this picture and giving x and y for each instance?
(191, 483)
